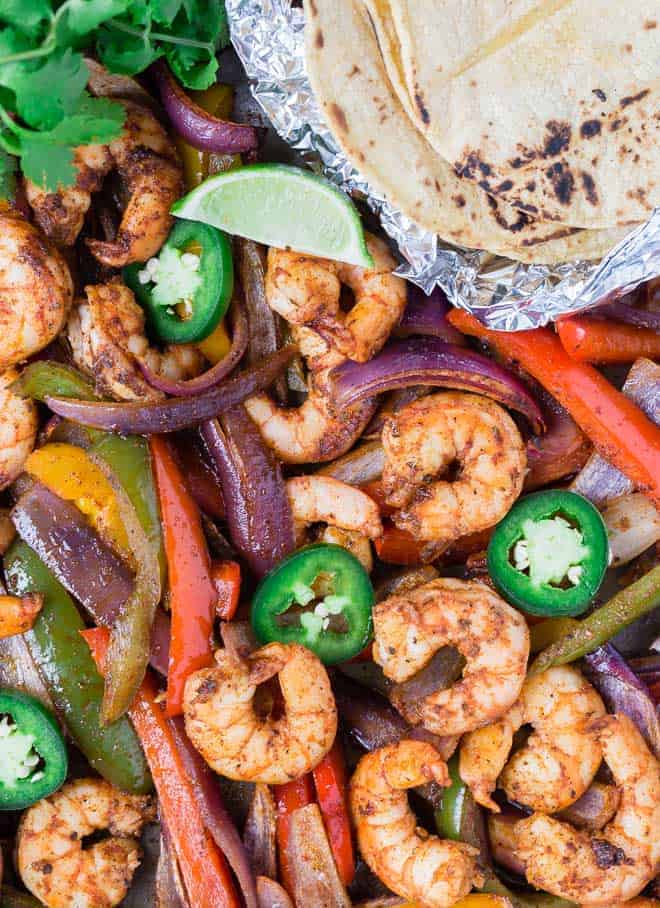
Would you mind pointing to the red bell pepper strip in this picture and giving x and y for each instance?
(203, 866)
(397, 546)
(226, 578)
(289, 797)
(593, 340)
(330, 783)
(619, 430)
(193, 595)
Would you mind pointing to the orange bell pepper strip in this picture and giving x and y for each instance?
(204, 869)
(288, 798)
(330, 783)
(592, 340)
(619, 430)
(192, 593)
(226, 578)
(397, 546)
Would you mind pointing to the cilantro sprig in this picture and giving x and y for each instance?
(45, 111)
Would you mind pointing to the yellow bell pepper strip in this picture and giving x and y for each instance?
(192, 593)
(216, 100)
(217, 345)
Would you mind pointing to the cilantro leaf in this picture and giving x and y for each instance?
(164, 11)
(80, 17)
(47, 164)
(48, 93)
(26, 15)
(8, 168)
(94, 120)
(125, 53)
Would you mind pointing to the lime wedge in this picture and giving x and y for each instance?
(280, 206)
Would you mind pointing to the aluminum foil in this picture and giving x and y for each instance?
(268, 36)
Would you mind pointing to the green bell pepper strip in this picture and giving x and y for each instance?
(326, 585)
(205, 291)
(33, 757)
(68, 670)
(635, 601)
(549, 555)
(50, 379)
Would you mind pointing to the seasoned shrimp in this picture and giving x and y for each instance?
(429, 435)
(559, 760)
(314, 432)
(18, 429)
(322, 499)
(106, 334)
(51, 859)
(146, 159)
(18, 613)
(235, 740)
(307, 291)
(422, 868)
(36, 290)
(493, 637)
(616, 863)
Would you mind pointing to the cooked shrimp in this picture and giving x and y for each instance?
(322, 499)
(51, 859)
(422, 868)
(307, 291)
(106, 333)
(35, 290)
(559, 760)
(18, 613)
(429, 435)
(493, 637)
(235, 740)
(146, 159)
(18, 429)
(615, 864)
(314, 432)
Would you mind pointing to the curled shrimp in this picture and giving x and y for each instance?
(422, 868)
(145, 158)
(18, 613)
(222, 723)
(36, 290)
(351, 517)
(316, 431)
(493, 637)
(51, 859)
(18, 429)
(614, 864)
(106, 334)
(429, 435)
(306, 291)
(559, 760)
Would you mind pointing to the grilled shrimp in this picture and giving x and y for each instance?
(18, 613)
(429, 435)
(306, 291)
(146, 160)
(235, 740)
(36, 290)
(106, 334)
(18, 429)
(493, 637)
(322, 499)
(314, 432)
(616, 863)
(422, 868)
(559, 760)
(51, 859)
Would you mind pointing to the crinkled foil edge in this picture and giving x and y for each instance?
(269, 38)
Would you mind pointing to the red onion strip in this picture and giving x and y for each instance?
(427, 315)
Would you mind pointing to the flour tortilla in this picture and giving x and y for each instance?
(367, 119)
(551, 105)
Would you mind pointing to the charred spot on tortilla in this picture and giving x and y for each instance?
(558, 138)
(522, 220)
(590, 128)
(505, 186)
(600, 94)
(631, 99)
(423, 112)
(338, 116)
(589, 188)
(355, 71)
(313, 8)
(459, 200)
(563, 182)
(617, 124)
(650, 24)
(318, 39)
(531, 186)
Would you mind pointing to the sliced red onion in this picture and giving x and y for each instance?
(216, 373)
(594, 809)
(258, 512)
(631, 315)
(428, 315)
(623, 692)
(599, 481)
(170, 889)
(214, 813)
(271, 894)
(429, 361)
(647, 668)
(562, 450)
(198, 127)
(17, 668)
(315, 879)
(259, 834)
(157, 417)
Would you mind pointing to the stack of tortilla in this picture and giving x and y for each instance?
(528, 128)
